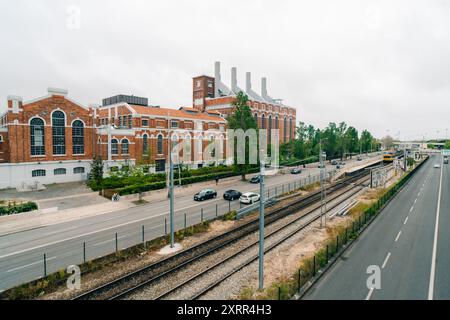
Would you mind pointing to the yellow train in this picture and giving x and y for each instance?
(389, 156)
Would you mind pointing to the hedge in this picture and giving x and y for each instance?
(298, 162)
(24, 207)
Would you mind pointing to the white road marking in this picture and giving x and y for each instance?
(369, 294)
(386, 261)
(31, 264)
(406, 220)
(436, 231)
(412, 208)
(398, 236)
(60, 231)
(415, 201)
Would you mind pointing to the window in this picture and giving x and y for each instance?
(114, 147)
(1, 138)
(37, 137)
(160, 144)
(263, 121)
(256, 119)
(145, 122)
(59, 172)
(270, 129)
(78, 170)
(285, 129)
(290, 129)
(125, 146)
(198, 84)
(78, 137)
(130, 122)
(174, 124)
(59, 133)
(145, 144)
(38, 173)
(277, 123)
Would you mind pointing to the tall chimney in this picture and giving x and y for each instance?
(217, 78)
(264, 87)
(234, 80)
(248, 81)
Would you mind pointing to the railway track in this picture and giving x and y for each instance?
(130, 283)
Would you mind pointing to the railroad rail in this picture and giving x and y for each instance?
(135, 280)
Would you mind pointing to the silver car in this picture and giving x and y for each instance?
(249, 198)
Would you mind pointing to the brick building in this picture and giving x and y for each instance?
(211, 94)
(53, 139)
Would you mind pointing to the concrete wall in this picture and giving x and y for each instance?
(16, 175)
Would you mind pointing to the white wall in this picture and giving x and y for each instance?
(14, 175)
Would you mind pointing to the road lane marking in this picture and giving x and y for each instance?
(369, 294)
(398, 236)
(386, 261)
(29, 265)
(412, 208)
(436, 231)
(415, 201)
(406, 220)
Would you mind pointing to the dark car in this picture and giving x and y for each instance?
(231, 195)
(256, 179)
(334, 163)
(205, 195)
(296, 171)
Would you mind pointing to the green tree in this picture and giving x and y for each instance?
(97, 170)
(351, 136)
(366, 141)
(242, 118)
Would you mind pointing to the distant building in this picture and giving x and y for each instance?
(211, 94)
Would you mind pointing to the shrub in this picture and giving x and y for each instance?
(18, 208)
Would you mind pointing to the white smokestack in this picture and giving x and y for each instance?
(264, 88)
(234, 86)
(217, 77)
(248, 81)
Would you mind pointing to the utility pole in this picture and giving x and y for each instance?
(323, 192)
(171, 188)
(261, 224)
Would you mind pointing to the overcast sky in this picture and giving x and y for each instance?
(378, 65)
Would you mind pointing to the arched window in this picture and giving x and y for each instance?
(38, 173)
(256, 119)
(59, 172)
(160, 144)
(125, 147)
(114, 147)
(78, 137)
(37, 136)
(59, 133)
(212, 142)
(290, 129)
(277, 123)
(285, 130)
(187, 149)
(78, 170)
(145, 144)
(263, 121)
(269, 133)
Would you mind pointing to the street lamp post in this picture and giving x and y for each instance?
(261, 224)
(323, 191)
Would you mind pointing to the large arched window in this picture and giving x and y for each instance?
(263, 121)
(269, 134)
(290, 129)
(285, 129)
(145, 144)
(125, 147)
(114, 147)
(59, 133)
(160, 144)
(256, 119)
(78, 137)
(37, 136)
(277, 123)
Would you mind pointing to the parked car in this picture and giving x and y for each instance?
(249, 198)
(231, 195)
(342, 163)
(296, 171)
(205, 195)
(339, 166)
(437, 165)
(334, 163)
(256, 179)
(359, 158)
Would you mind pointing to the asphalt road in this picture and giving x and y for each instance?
(64, 244)
(408, 242)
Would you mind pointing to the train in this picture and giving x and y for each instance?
(389, 156)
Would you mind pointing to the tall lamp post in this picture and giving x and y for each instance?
(261, 223)
(323, 191)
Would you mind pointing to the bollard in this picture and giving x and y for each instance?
(84, 252)
(346, 235)
(327, 255)
(185, 221)
(143, 236)
(117, 243)
(229, 206)
(165, 226)
(201, 218)
(337, 244)
(217, 210)
(279, 293)
(299, 279)
(45, 265)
